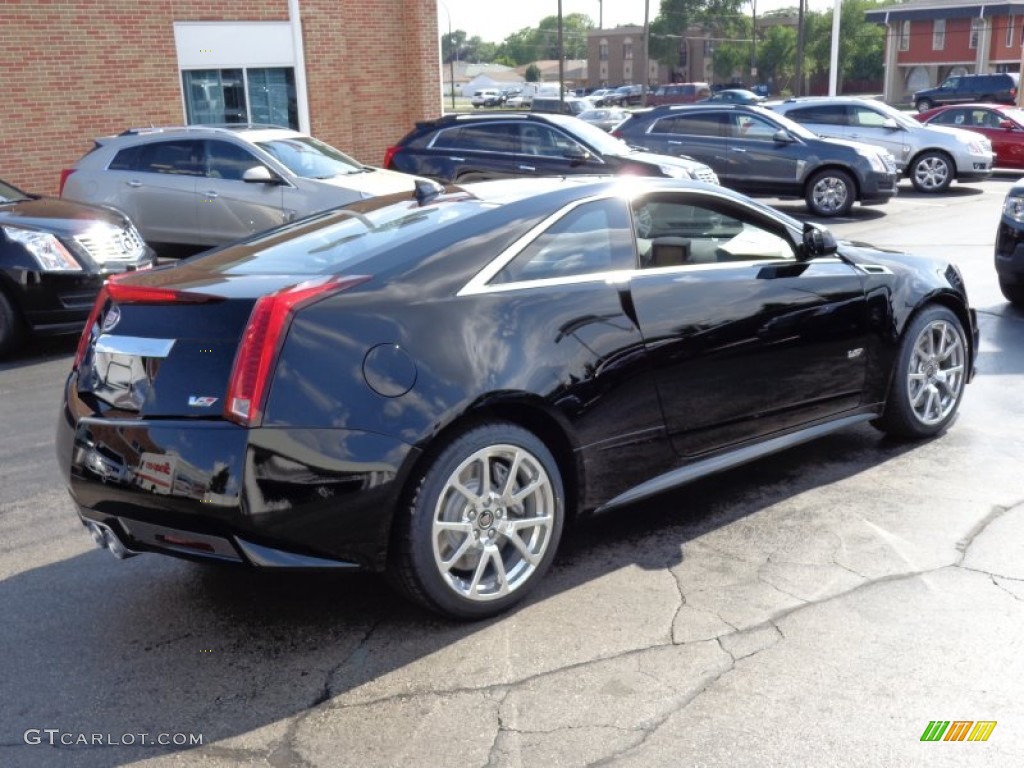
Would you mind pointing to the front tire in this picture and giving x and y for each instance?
(1013, 292)
(923, 105)
(484, 524)
(932, 172)
(929, 376)
(830, 193)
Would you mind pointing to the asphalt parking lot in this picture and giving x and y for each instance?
(821, 607)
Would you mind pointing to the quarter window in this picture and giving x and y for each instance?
(590, 239)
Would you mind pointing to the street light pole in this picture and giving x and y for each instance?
(451, 59)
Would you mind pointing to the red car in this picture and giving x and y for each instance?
(1003, 124)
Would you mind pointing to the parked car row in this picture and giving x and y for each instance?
(206, 185)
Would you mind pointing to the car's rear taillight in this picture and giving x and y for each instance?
(83, 342)
(261, 342)
(617, 134)
(389, 155)
(64, 174)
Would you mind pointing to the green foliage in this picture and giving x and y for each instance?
(532, 74)
(541, 42)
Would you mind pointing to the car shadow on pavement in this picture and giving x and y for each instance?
(40, 349)
(155, 645)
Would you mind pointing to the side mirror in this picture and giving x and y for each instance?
(260, 174)
(782, 136)
(576, 155)
(818, 241)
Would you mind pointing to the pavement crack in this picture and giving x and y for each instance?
(979, 528)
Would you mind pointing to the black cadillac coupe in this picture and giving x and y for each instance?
(428, 385)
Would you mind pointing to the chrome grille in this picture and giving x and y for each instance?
(105, 244)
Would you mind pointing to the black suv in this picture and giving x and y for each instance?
(961, 89)
(756, 151)
(463, 148)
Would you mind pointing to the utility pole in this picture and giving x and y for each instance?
(561, 62)
(600, 14)
(647, 49)
(799, 90)
(753, 41)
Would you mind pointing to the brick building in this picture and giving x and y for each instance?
(357, 75)
(929, 40)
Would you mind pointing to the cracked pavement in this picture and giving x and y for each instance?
(819, 607)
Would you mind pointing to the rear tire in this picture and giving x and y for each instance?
(1014, 292)
(929, 375)
(12, 328)
(483, 526)
(830, 192)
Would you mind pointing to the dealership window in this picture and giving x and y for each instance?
(905, 36)
(939, 34)
(243, 95)
(975, 32)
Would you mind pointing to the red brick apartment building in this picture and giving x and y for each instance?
(355, 74)
(929, 40)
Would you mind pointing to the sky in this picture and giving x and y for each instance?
(494, 20)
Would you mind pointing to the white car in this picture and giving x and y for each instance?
(206, 185)
(931, 156)
(488, 97)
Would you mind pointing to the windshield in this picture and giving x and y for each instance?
(310, 158)
(9, 194)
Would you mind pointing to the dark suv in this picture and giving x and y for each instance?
(463, 148)
(960, 89)
(756, 151)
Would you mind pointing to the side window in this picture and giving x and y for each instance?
(542, 141)
(181, 158)
(867, 117)
(127, 159)
(591, 238)
(228, 161)
(700, 124)
(673, 231)
(950, 117)
(831, 114)
(753, 127)
(494, 137)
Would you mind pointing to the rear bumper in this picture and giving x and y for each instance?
(268, 497)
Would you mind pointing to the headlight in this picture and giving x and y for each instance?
(46, 249)
(875, 159)
(675, 173)
(1014, 208)
(978, 146)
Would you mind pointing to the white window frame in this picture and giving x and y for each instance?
(904, 42)
(1011, 22)
(938, 34)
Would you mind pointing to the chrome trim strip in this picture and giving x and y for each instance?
(134, 345)
(267, 557)
(705, 467)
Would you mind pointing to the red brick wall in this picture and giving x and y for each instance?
(957, 47)
(76, 69)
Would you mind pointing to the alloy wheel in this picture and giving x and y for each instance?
(935, 375)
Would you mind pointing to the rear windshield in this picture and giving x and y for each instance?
(339, 240)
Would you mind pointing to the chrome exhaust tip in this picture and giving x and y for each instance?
(105, 538)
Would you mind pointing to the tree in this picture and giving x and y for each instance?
(452, 44)
(670, 26)
(532, 74)
(776, 57)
